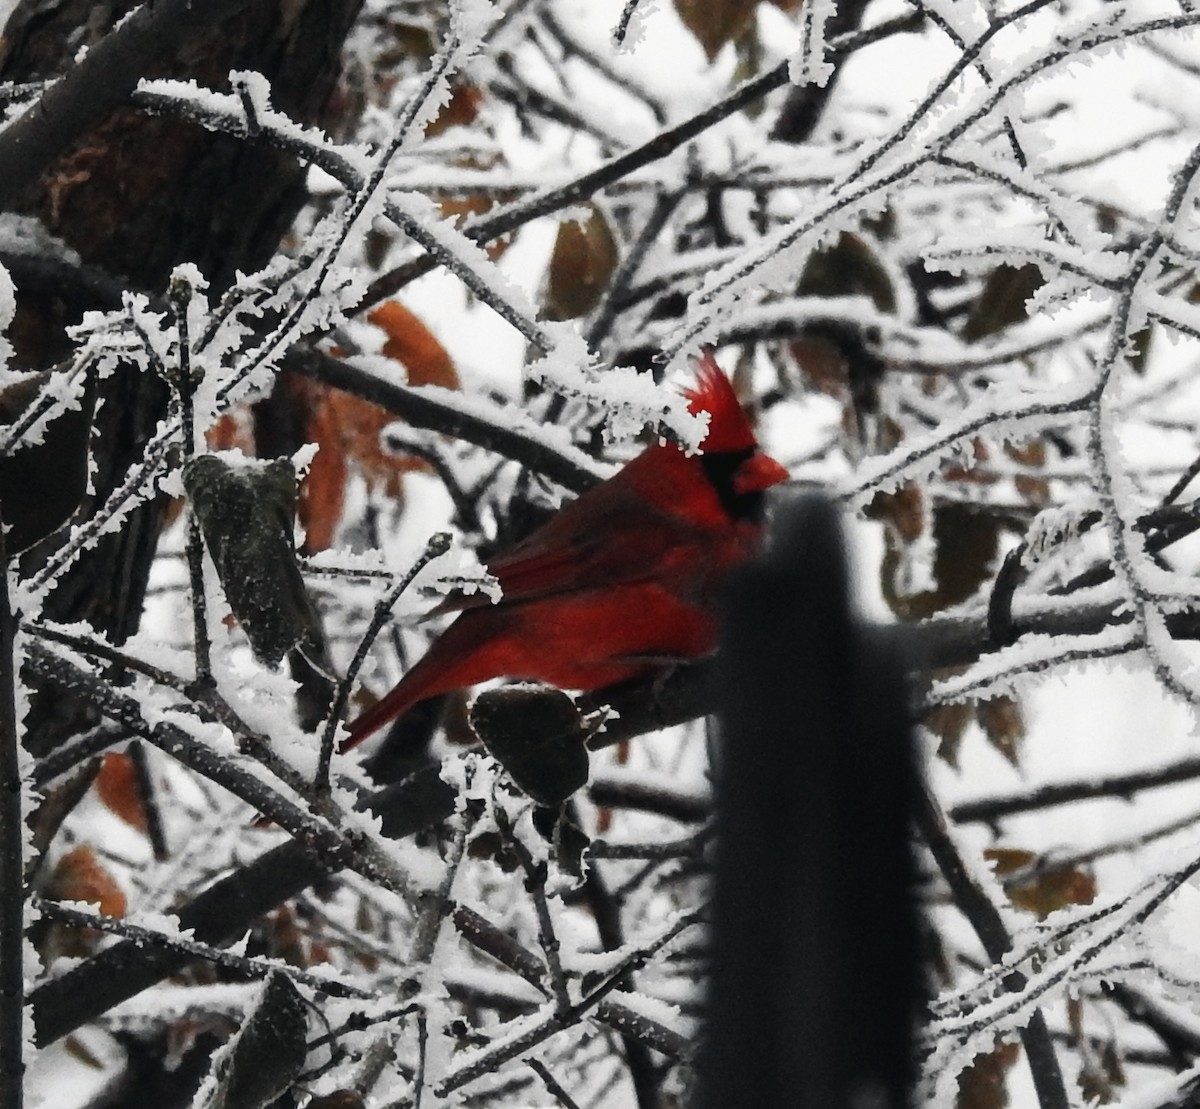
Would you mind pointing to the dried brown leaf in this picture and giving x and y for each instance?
(982, 1084)
(1040, 888)
(1004, 725)
(120, 791)
(462, 109)
(715, 22)
(949, 723)
(348, 429)
(581, 266)
(79, 876)
(1002, 301)
(849, 267)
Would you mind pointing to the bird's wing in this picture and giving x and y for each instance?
(545, 567)
(622, 546)
(635, 526)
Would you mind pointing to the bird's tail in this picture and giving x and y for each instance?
(394, 704)
(460, 657)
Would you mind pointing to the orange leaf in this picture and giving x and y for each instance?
(80, 877)
(462, 109)
(905, 509)
(1033, 489)
(119, 790)
(287, 939)
(604, 817)
(459, 207)
(1008, 860)
(949, 723)
(982, 1084)
(412, 344)
(347, 429)
(821, 364)
(1053, 889)
(319, 505)
(1033, 455)
(1004, 725)
(232, 432)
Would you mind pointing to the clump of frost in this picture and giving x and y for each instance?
(1051, 528)
(809, 64)
(630, 400)
(459, 572)
(630, 29)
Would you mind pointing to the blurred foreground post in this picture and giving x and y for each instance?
(814, 974)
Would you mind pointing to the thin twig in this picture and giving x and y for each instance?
(664, 205)
(605, 906)
(366, 188)
(563, 1098)
(540, 1029)
(149, 798)
(988, 810)
(944, 25)
(183, 381)
(205, 701)
(571, 45)
(488, 426)
(438, 545)
(985, 918)
(173, 740)
(422, 1044)
(668, 849)
(622, 27)
(654, 149)
(535, 886)
(222, 912)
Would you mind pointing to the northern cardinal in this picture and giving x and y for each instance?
(621, 581)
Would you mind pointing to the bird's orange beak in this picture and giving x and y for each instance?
(758, 472)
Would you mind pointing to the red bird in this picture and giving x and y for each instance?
(619, 582)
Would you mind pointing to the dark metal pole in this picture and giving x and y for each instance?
(814, 977)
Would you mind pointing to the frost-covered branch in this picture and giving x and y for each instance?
(190, 950)
(990, 809)
(505, 430)
(963, 299)
(436, 547)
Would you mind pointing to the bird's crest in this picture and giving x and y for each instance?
(728, 427)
